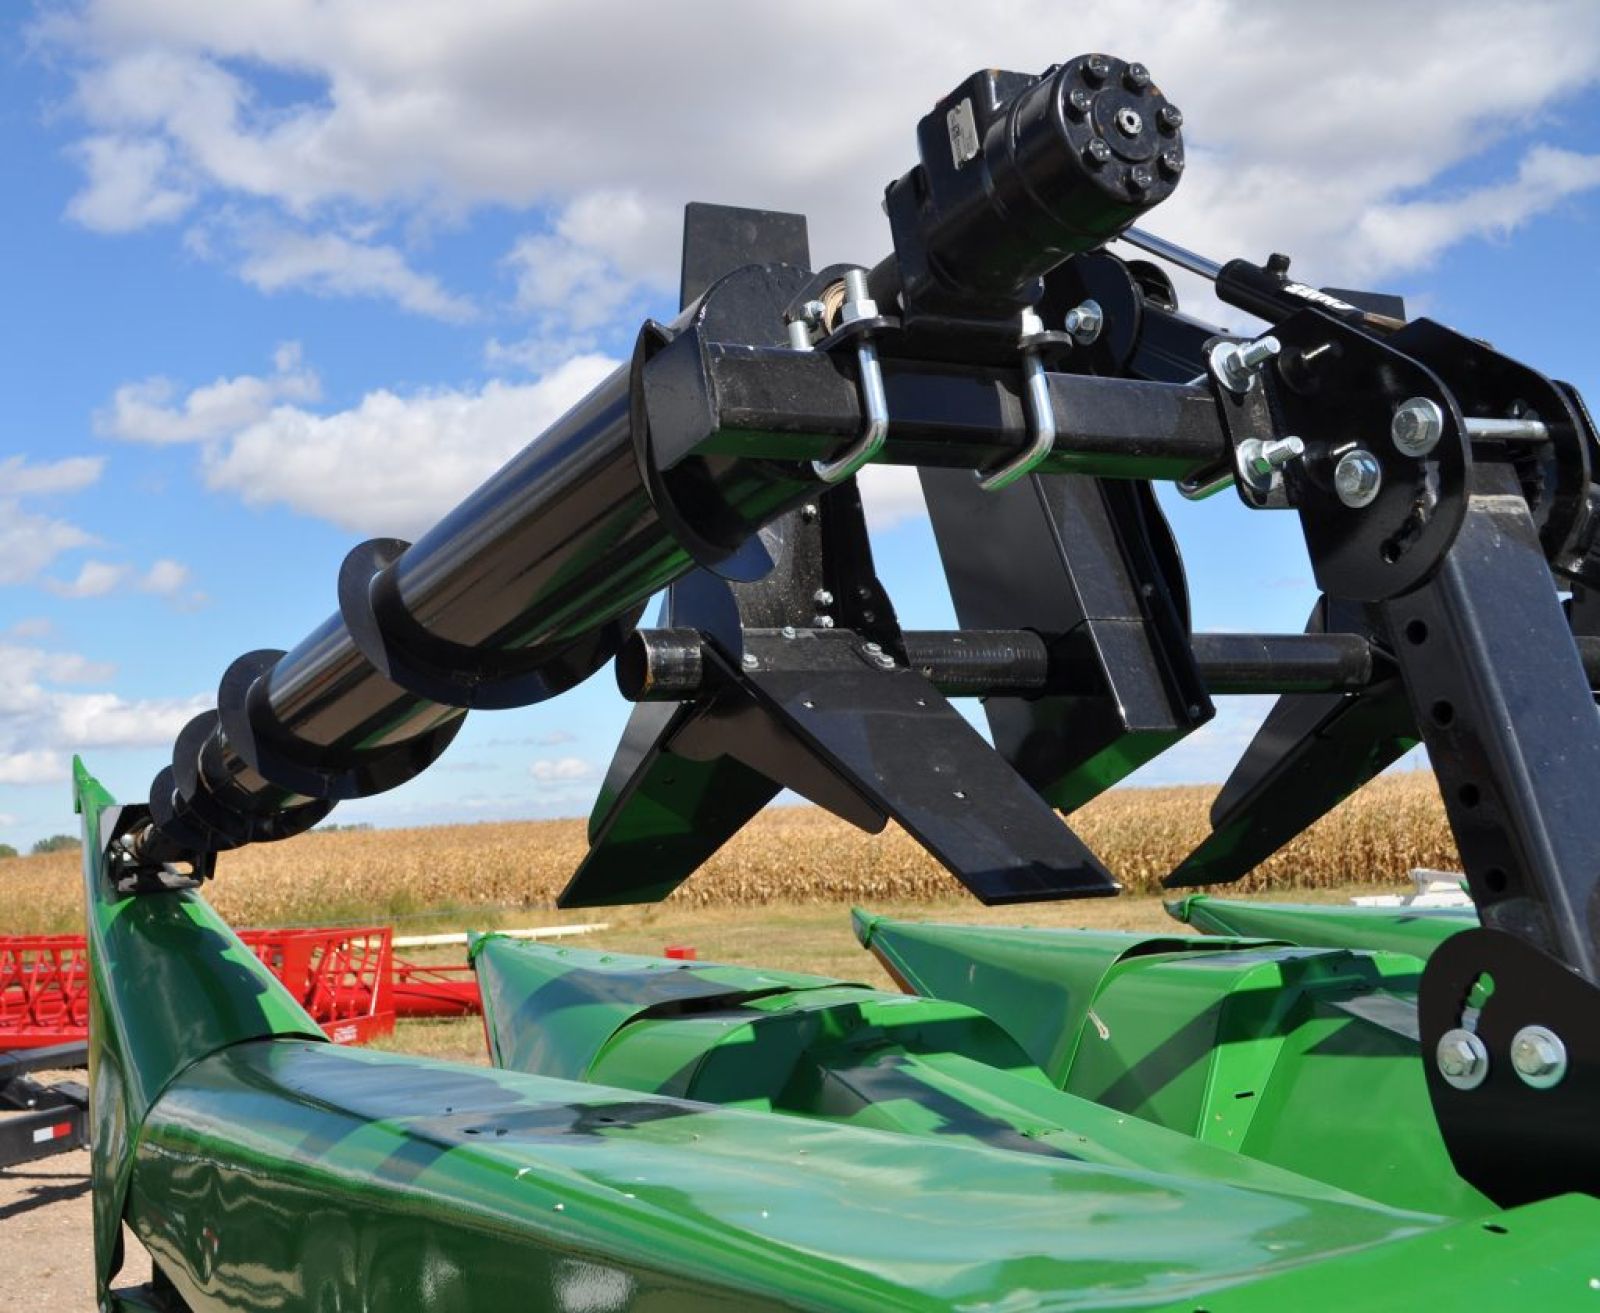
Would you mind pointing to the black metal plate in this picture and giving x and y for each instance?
(1515, 1143)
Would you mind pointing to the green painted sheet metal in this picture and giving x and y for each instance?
(552, 1012)
(1037, 983)
(268, 1169)
(1417, 931)
(1545, 1257)
(170, 984)
(839, 1052)
(293, 1176)
(1303, 1058)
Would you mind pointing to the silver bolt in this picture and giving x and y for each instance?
(750, 661)
(1417, 426)
(822, 622)
(1539, 1056)
(1357, 478)
(808, 512)
(1258, 460)
(883, 661)
(788, 631)
(822, 597)
(799, 335)
(857, 303)
(1084, 322)
(1236, 363)
(1462, 1059)
(872, 649)
(1277, 452)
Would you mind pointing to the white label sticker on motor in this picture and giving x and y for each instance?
(963, 127)
(1318, 298)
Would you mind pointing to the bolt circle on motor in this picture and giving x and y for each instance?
(1462, 1059)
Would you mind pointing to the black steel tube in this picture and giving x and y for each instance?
(545, 567)
(666, 665)
(793, 405)
(1283, 663)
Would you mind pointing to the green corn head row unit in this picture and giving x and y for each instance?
(1300, 1108)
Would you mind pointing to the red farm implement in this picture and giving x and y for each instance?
(341, 976)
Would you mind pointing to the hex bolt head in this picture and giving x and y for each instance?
(1235, 363)
(1262, 458)
(1096, 68)
(822, 597)
(808, 512)
(750, 661)
(1139, 179)
(1358, 478)
(1539, 1056)
(788, 631)
(1462, 1059)
(1417, 426)
(1136, 77)
(1169, 118)
(1084, 322)
(1171, 163)
(1096, 153)
(1078, 102)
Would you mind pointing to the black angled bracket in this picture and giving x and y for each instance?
(829, 708)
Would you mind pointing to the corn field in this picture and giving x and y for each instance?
(788, 855)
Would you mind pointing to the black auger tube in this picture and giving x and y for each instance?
(526, 588)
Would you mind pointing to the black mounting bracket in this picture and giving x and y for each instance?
(1512, 1055)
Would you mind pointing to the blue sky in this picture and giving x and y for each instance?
(279, 276)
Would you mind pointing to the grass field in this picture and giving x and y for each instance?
(483, 874)
(813, 937)
(778, 895)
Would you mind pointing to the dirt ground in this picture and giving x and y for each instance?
(47, 1237)
(46, 1244)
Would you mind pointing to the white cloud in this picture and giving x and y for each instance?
(1408, 234)
(149, 411)
(130, 185)
(602, 250)
(539, 352)
(33, 626)
(165, 578)
(275, 258)
(32, 767)
(30, 543)
(427, 112)
(393, 464)
(560, 770)
(891, 495)
(42, 723)
(94, 579)
(20, 479)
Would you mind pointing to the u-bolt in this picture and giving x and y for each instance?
(874, 401)
(1040, 412)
